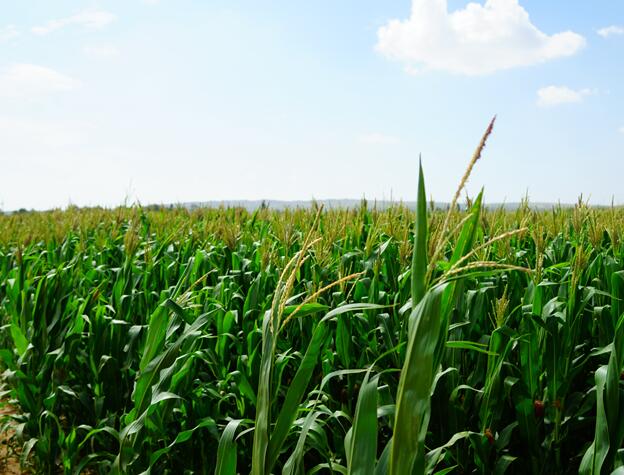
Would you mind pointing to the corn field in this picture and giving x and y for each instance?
(169, 341)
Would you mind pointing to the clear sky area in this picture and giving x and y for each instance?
(168, 101)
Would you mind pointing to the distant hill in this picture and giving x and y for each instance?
(252, 205)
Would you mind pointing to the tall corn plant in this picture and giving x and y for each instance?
(269, 438)
(412, 401)
(432, 302)
(261, 457)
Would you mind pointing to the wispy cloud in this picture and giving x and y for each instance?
(100, 51)
(89, 19)
(30, 81)
(478, 39)
(7, 33)
(376, 138)
(622, 130)
(612, 30)
(557, 95)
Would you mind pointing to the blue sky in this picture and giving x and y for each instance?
(163, 101)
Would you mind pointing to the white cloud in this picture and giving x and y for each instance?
(611, 31)
(376, 138)
(29, 81)
(89, 19)
(478, 39)
(7, 33)
(557, 95)
(100, 51)
(622, 129)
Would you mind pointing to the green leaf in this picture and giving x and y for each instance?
(19, 340)
(226, 453)
(362, 449)
(296, 390)
(413, 394)
(419, 256)
(596, 454)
